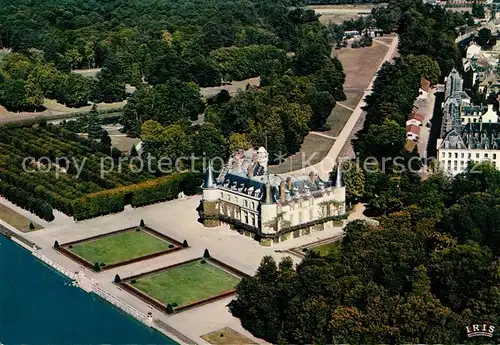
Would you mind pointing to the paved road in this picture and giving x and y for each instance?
(324, 167)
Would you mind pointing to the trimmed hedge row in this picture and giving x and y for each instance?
(23, 199)
(140, 194)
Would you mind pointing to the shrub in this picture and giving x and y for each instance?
(117, 279)
(133, 281)
(141, 223)
(185, 244)
(102, 264)
(138, 229)
(206, 253)
(97, 267)
(170, 309)
(32, 227)
(70, 247)
(171, 246)
(203, 261)
(56, 244)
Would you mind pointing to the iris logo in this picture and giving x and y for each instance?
(480, 330)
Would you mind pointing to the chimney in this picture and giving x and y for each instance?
(289, 183)
(269, 200)
(312, 177)
(250, 170)
(282, 191)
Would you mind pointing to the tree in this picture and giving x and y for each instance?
(206, 253)
(94, 128)
(142, 223)
(185, 244)
(97, 267)
(483, 37)
(478, 11)
(105, 141)
(56, 244)
(170, 309)
(238, 141)
(117, 280)
(108, 88)
(31, 226)
(426, 65)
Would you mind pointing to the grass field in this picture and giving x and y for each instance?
(360, 64)
(187, 283)
(340, 13)
(313, 150)
(226, 336)
(325, 249)
(17, 220)
(120, 247)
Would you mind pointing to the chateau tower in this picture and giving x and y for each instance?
(268, 211)
(210, 200)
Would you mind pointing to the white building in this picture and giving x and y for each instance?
(478, 143)
(470, 133)
(270, 207)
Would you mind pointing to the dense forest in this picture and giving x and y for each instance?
(430, 267)
(169, 49)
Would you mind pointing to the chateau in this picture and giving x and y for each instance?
(469, 133)
(270, 207)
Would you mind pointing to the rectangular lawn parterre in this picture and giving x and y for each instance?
(327, 248)
(186, 284)
(120, 247)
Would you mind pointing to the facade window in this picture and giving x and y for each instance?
(246, 203)
(456, 154)
(469, 155)
(245, 214)
(253, 206)
(455, 168)
(494, 156)
(311, 215)
(477, 155)
(462, 155)
(229, 197)
(253, 219)
(443, 154)
(300, 217)
(449, 154)
(221, 195)
(236, 199)
(485, 155)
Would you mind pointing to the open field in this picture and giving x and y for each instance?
(17, 220)
(186, 283)
(337, 120)
(226, 336)
(120, 247)
(360, 64)
(340, 13)
(313, 149)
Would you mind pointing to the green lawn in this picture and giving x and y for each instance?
(120, 247)
(325, 249)
(187, 283)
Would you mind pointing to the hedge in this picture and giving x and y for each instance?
(140, 194)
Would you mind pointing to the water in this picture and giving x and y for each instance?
(40, 306)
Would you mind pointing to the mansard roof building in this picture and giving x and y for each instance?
(270, 207)
(469, 133)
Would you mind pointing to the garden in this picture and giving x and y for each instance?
(120, 247)
(45, 167)
(186, 284)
